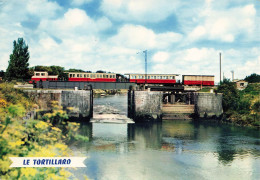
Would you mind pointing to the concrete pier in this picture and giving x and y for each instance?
(145, 105)
(208, 105)
(81, 102)
(148, 106)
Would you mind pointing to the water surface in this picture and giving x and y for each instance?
(175, 149)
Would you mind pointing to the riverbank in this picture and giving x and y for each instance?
(241, 107)
(101, 92)
(22, 137)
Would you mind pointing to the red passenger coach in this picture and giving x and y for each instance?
(43, 76)
(153, 78)
(92, 77)
(204, 80)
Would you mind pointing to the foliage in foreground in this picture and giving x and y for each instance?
(29, 138)
(241, 107)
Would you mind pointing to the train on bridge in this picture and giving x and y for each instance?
(153, 79)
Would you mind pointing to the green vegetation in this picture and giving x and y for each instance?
(205, 89)
(18, 67)
(253, 78)
(32, 138)
(241, 107)
(2, 73)
(75, 70)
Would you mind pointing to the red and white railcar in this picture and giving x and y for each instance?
(204, 80)
(43, 76)
(153, 78)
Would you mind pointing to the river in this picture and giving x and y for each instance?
(176, 149)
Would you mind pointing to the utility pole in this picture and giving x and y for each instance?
(145, 54)
(220, 66)
(232, 75)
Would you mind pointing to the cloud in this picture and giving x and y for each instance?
(140, 37)
(74, 22)
(42, 8)
(140, 11)
(226, 25)
(160, 57)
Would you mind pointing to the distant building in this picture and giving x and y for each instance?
(241, 84)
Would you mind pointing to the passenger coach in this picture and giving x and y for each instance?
(153, 78)
(95, 77)
(204, 80)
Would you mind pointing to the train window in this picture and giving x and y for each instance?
(84, 75)
(37, 74)
(97, 75)
(166, 77)
(114, 76)
(110, 76)
(88, 75)
(77, 75)
(148, 77)
(42, 74)
(106, 76)
(80, 75)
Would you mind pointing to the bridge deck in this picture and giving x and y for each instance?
(83, 85)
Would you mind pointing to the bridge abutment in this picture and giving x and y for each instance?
(79, 103)
(148, 106)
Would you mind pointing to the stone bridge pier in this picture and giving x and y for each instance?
(79, 102)
(149, 106)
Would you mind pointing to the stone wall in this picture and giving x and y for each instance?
(80, 101)
(145, 105)
(208, 105)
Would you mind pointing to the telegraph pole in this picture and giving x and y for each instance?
(232, 75)
(145, 64)
(220, 66)
(145, 54)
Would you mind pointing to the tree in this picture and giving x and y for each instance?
(230, 95)
(18, 67)
(2, 73)
(253, 78)
(75, 70)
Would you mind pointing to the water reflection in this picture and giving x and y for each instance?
(169, 150)
(187, 149)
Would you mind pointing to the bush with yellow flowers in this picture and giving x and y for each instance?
(29, 138)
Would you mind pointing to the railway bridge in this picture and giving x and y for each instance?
(82, 85)
(142, 104)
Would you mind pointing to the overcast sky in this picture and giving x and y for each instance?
(181, 36)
